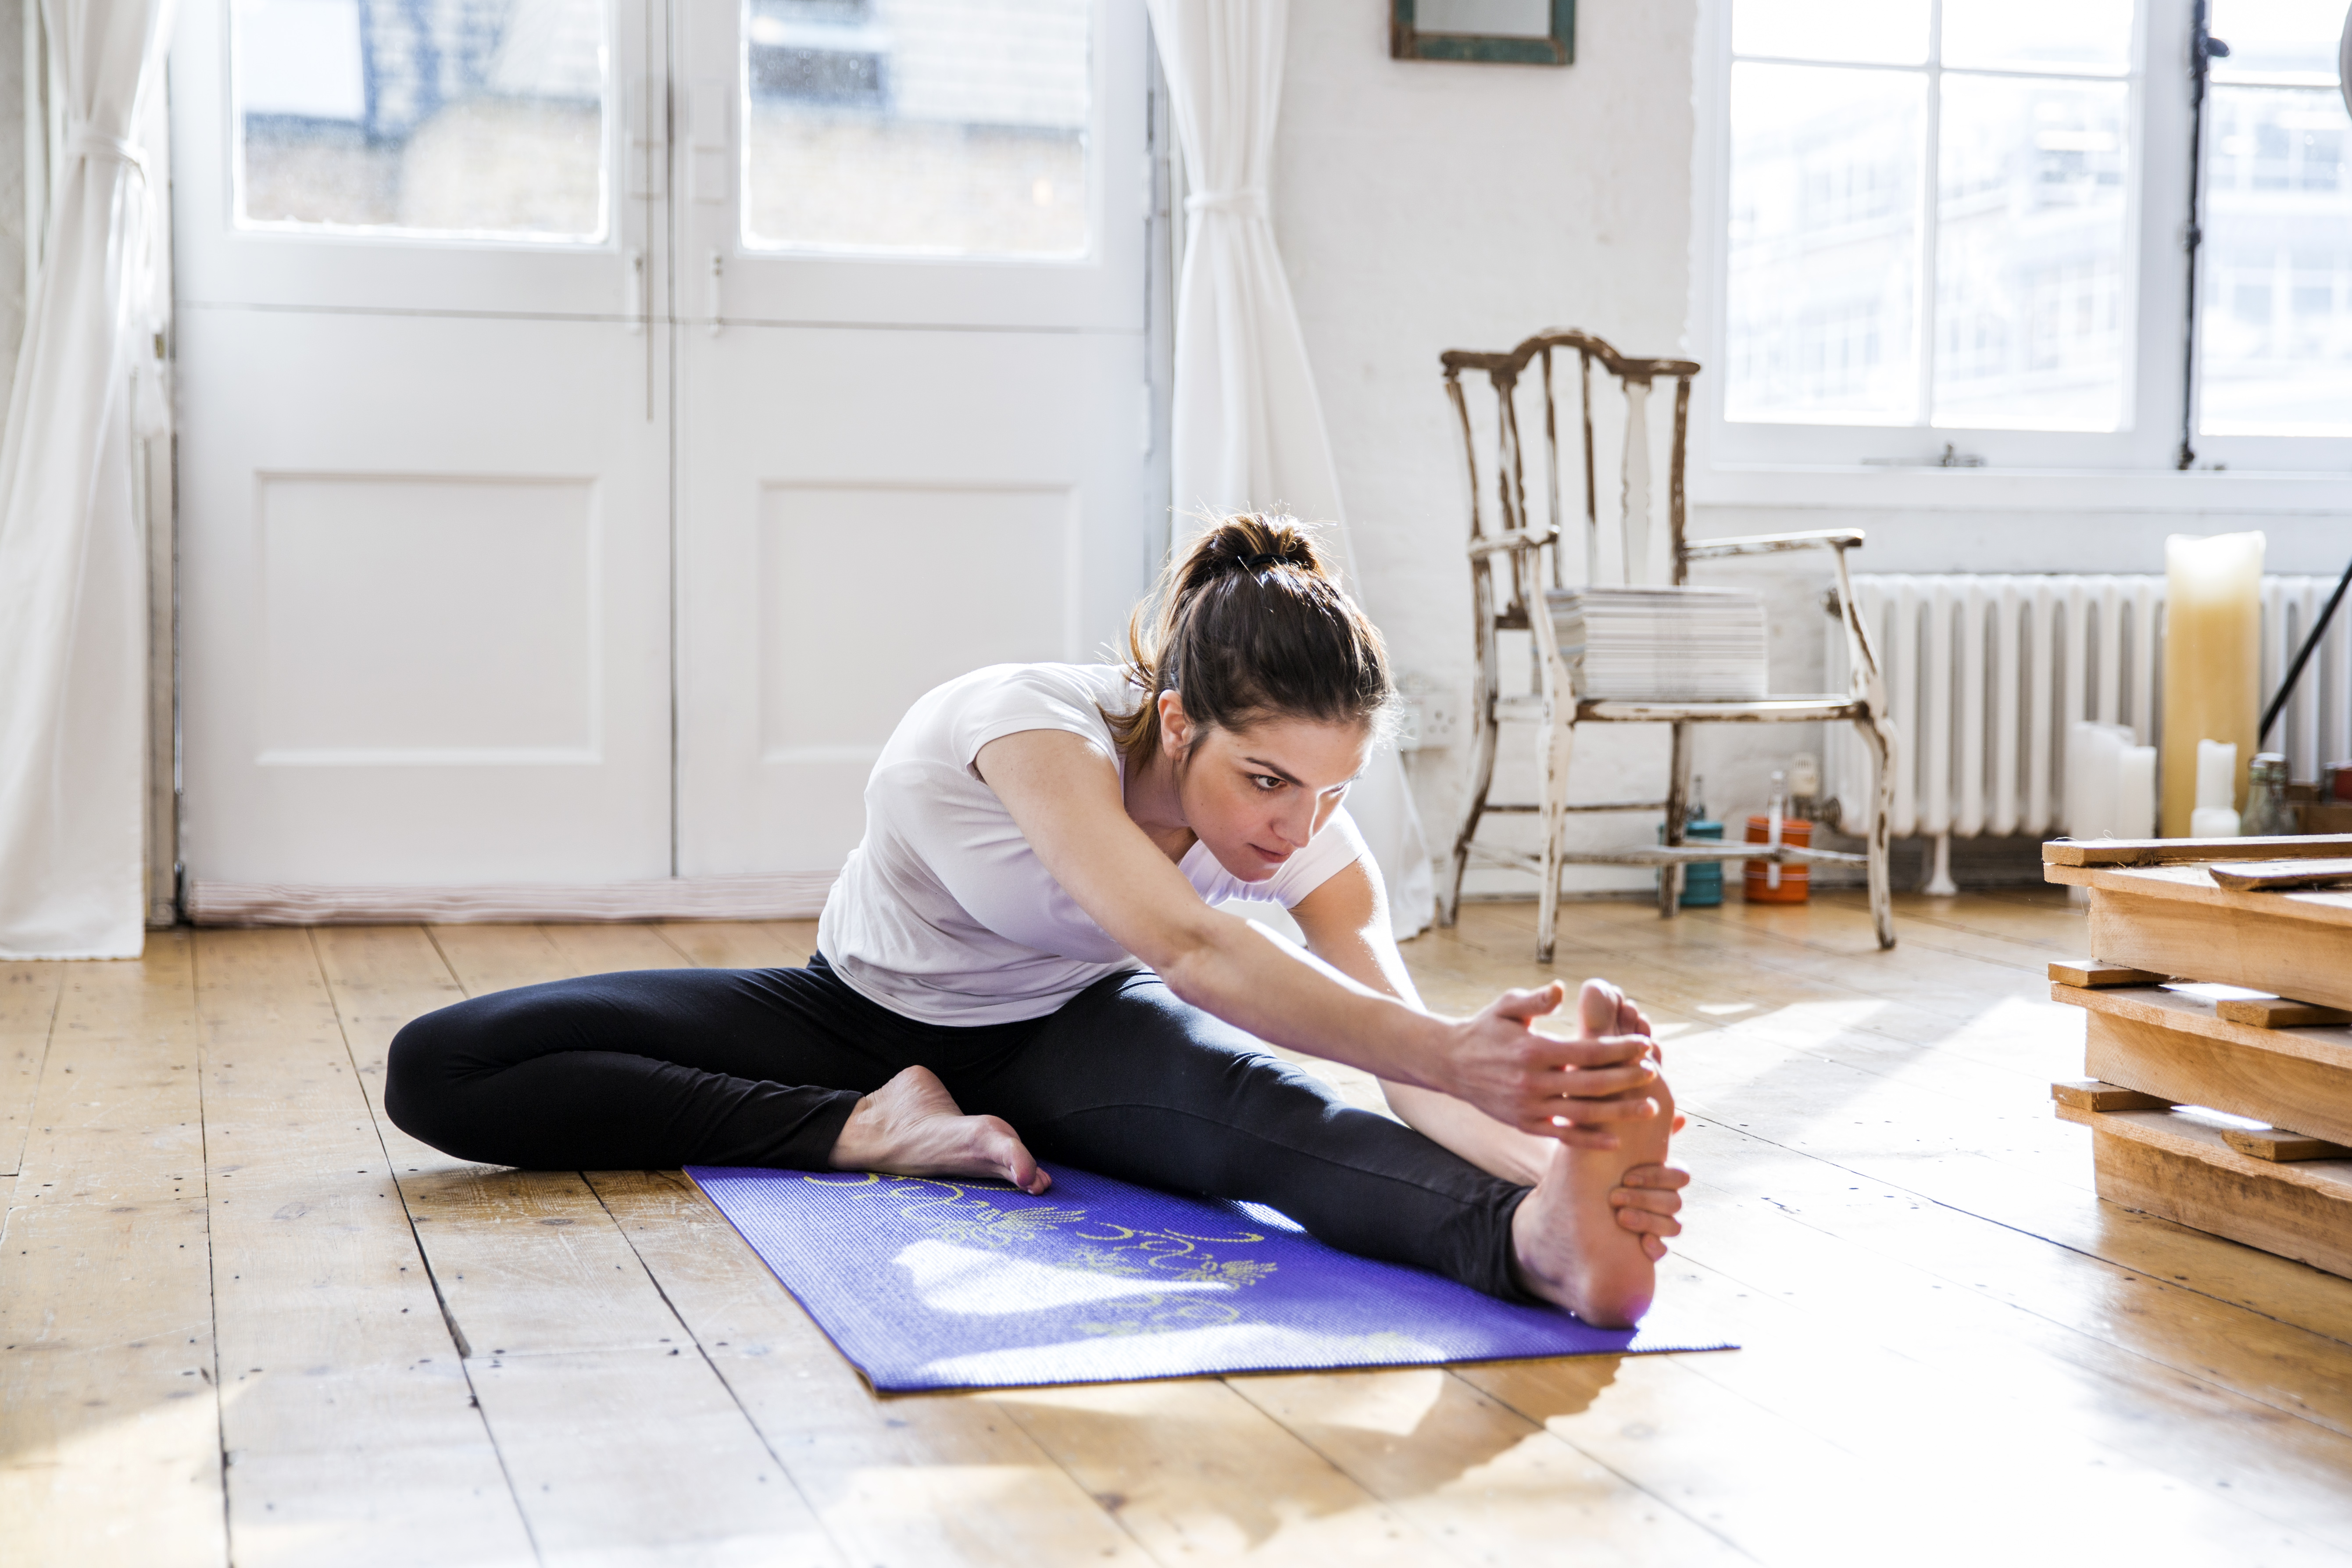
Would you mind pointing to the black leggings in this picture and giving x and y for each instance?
(659, 1069)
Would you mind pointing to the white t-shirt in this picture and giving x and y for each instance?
(944, 914)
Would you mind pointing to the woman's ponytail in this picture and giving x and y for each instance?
(1247, 623)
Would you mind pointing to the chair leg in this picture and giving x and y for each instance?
(1879, 736)
(1482, 779)
(1670, 877)
(1553, 765)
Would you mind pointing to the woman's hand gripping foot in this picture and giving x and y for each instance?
(1588, 1237)
(912, 1127)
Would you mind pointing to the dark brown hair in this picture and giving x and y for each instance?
(1247, 623)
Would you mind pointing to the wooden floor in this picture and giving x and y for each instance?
(244, 1320)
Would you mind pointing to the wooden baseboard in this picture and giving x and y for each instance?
(787, 895)
(2171, 1164)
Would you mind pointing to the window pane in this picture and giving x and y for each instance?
(479, 117)
(2034, 35)
(2269, 38)
(939, 127)
(1824, 244)
(1872, 32)
(2274, 343)
(2032, 302)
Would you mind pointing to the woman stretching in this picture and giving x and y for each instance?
(1023, 959)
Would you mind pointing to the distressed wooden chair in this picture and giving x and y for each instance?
(1515, 563)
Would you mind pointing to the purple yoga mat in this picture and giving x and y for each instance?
(932, 1284)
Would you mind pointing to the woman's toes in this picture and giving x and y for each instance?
(1597, 1007)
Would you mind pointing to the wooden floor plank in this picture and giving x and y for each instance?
(486, 958)
(733, 944)
(606, 949)
(1841, 1303)
(28, 1002)
(2010, 1162)
(1197, 1474)
(623, 1445)
(1492, 1484)
(347, 1413)
(905, 1482)
(632, 1459)
(106, 1389)
(1955, 1352)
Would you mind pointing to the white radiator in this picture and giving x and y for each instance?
(1985, 674)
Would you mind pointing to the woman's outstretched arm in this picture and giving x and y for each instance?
(1065, 796)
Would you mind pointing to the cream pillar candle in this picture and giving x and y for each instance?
(2212, 660)
(2217, 785)
(2135, 793)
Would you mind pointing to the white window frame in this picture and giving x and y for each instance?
(1879, 466)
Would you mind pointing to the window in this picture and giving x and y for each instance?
(2274, 338)
(1949, 232)
(932, 127)
(462, 119)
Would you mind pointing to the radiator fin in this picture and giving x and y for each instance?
(1985, 673)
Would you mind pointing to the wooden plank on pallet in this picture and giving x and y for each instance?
(932, 1480)
(2195, 1013)
(2093, 972)
(109, 1420)
(2092, 1094)
(2171, 1164)
(2279, 876)
(2275, 948)
(2242, 1072)
(2277, 1145)
(348, 1419)
(2278, 1012)
(2171, 851)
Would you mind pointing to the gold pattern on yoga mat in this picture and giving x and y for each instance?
(958, 1219)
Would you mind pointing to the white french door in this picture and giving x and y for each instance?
(600, 419)
(912, 392)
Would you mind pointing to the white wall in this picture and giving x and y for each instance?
(1424, 206)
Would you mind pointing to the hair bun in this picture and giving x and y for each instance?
(1258, 542)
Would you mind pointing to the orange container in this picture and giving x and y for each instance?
(1795, 887)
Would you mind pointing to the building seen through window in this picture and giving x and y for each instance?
(2275, 330)
(437, 116)
(939, 127)
(1928, 214)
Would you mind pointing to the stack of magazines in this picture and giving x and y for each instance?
(1661, 645)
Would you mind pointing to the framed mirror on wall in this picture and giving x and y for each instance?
(1485, 32)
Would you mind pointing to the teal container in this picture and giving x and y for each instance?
(1701, 884)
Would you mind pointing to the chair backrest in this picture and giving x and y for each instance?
(1515, 531)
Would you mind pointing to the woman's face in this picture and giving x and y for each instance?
(1256, 797)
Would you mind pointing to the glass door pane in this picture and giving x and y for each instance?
(924, 127)
(475, 119)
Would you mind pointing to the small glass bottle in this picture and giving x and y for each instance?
(2267, 813)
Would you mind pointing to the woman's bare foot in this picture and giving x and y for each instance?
(912, 1127)
(1572, 1246)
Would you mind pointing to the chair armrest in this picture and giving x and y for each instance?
(1772, 543)
(1512, 539)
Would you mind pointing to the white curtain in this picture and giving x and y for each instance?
(1248, 426)
(73, 585)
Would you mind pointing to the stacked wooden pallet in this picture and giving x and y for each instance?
(2266, 1041)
